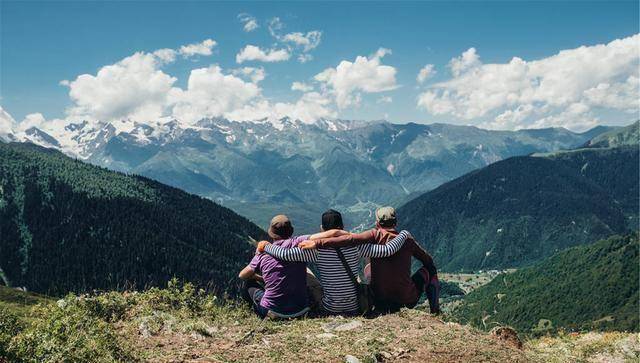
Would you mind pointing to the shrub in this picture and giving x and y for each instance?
(68, 332)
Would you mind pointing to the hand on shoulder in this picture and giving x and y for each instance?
(261, 246)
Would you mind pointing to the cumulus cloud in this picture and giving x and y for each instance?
(467, 60)
(560, 90)
(210, 93)
(425, 73)
(7, 124)
(203, 48)
(366, 74)
(301, 86)
(254, 53)
(134, 87)
(254, 74)
(308, 108)
(249, 22)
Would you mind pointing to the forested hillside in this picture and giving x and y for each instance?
(70, 226)
(593, 287)
(516, 211)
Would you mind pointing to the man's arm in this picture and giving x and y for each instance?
(427, 261)
(249, 273)
(328, 234)
(291, 254)
(347, 240)
(385, 250)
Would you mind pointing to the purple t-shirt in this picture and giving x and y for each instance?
(286, 282)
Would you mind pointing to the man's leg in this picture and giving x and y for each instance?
(252, 292)
(315, 291)
(430, 285)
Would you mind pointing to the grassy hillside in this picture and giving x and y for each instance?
(182, 324)
(520, 210)
(593, 287)
(70, 226)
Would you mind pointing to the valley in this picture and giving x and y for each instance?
(262, 168)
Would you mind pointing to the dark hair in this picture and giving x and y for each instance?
(332, 219)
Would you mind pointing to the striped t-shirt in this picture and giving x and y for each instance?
(340, 295)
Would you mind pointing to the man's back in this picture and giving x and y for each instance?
(391, 276)
(340, 294)
(285, 282)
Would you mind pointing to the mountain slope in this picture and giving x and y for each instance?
(71, 226)
(593, 287)
(260, 169)
(629, 135)
(522, 209)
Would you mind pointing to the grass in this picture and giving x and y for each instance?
(181, 324)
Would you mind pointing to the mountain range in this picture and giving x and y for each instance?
(261, 168)
(66, 225)
(522, 209)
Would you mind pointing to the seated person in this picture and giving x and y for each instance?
(340, 293)
(391, 281)
(277, 288)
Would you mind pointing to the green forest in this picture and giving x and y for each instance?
(71, 226)
(519, 210)
(592, 287)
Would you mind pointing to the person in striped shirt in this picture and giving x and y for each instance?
(340, 294)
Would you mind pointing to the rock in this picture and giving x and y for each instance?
(508, 335)
(351, 359)
(326, 336)
(337, 326)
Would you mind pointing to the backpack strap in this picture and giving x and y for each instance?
(354, 281)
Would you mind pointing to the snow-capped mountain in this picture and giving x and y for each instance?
(263, 167)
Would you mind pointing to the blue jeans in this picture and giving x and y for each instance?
(252, 292)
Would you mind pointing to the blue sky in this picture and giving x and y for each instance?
(45, 43)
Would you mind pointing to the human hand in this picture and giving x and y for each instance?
(308, 245)
(261, 246)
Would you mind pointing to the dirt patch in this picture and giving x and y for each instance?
(409, 336)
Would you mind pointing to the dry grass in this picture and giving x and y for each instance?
(611, 347)
(409, 336)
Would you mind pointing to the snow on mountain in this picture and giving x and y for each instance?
(262, 167)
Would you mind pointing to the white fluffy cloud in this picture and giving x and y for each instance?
(425, 73)
(134, 87)
(210, 93)
(561, 90)
(366, 74)
(249, 22)
(203, 48)
(256, 75)
(310, 107)
(301, 86)
(7, 124)
(467, 60)
(254, 53)
(137, 88)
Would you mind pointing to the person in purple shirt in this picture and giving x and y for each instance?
(279, 288)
